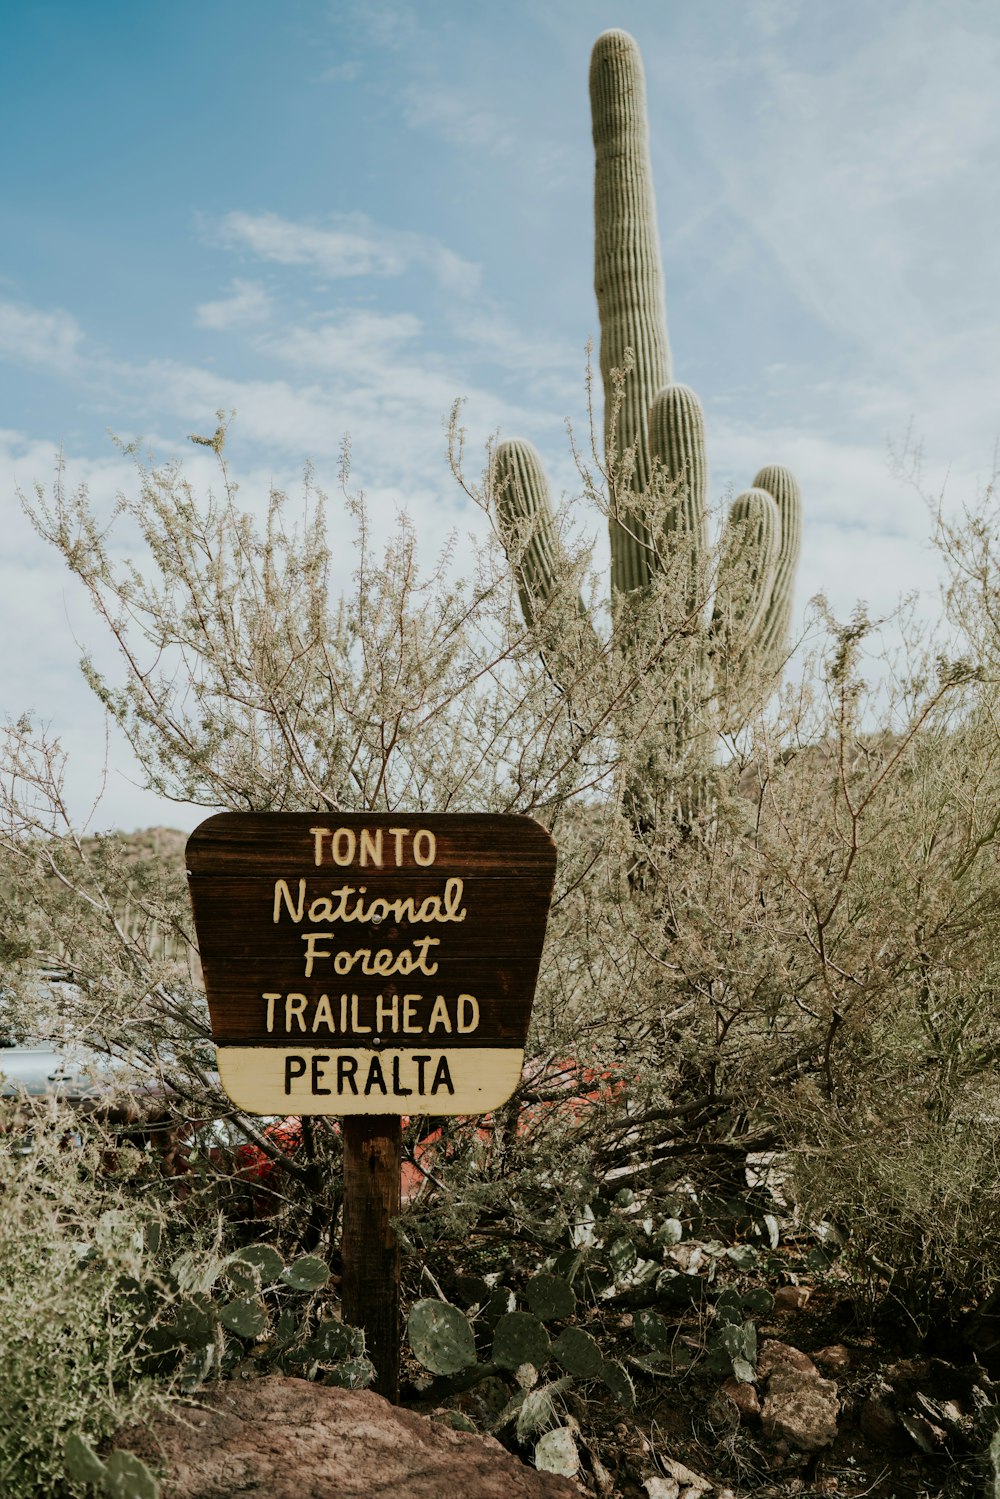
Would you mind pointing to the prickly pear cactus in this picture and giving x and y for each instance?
(441, 1336)
(520, 1338)
(655, 449)
(550, 1297)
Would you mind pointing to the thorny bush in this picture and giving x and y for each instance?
(809, 968)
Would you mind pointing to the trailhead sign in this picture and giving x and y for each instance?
(370, 963)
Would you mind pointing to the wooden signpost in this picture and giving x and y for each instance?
(370, 965)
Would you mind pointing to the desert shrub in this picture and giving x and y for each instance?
(804, 962)
(916, 1198)
(67, 1237)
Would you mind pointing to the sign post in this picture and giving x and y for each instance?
(370, 965)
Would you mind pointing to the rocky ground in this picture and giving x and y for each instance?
(845, 1418)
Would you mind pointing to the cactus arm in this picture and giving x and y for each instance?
(748, 566)
(775, 629)
(541, 568)
(677, 443)
(527, 525)
(627, 276)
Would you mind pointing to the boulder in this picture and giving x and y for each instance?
(800, 1408)
(281, 1438)
(776, 1355)
(791, 1298)
(743, 1396)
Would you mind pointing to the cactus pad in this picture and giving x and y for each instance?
(246, 1317)
(307, 1273)
(577, 1352)
(550, 1298)
(441, 1336)
(519, 1339)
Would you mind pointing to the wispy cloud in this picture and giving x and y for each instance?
(456, 117)
(247, 304)
(357, 341)
(858, 203)
(40, 339)
(349, 245)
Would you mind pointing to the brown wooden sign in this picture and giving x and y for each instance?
(364, 963)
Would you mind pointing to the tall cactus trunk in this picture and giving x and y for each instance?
(710, 673)
(628, 279)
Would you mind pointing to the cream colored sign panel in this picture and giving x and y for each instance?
(338, 1080)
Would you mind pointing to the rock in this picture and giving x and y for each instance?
(800, 1408)
(836, 1356)
(879, 1422)
(290, 1439)
(691, 1484)
(774, 1355)
(662, 1488)
(743, 1396)
(791, 1298)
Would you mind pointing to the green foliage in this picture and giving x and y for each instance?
(123, 1476)
(603, 1348)
(550, 1297)
(520, 1338)
(308, 1273)
(127, 1477)
(441, 1337)
(576, 1352)
(182, 1324)
(70, 1375)
(556, 1452)
(747, 997)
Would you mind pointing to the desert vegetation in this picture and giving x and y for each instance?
(798, 979)
(764, 1042)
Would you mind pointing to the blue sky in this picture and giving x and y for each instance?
(339, 217)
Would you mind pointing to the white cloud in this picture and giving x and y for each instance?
(248, 303)
(861, 175)
(455, 117)
(42, 340)
(351, 245)
(357, 341)
(350, 250)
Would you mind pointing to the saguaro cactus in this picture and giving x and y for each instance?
(659, 427)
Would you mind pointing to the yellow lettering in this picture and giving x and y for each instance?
(398, 834)
(453, 891)
(424, 847)
(312, 951)
(321, 909)
(355, 1022)
(294, 1006)
(343, 845)
(387, 1011)
(439, 1016)
(323, 1013)
(270, 1009)
(318, 835)
(282, 893)
(467, 1004)
(371, 846)
(409, 1001)
(420, 962)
